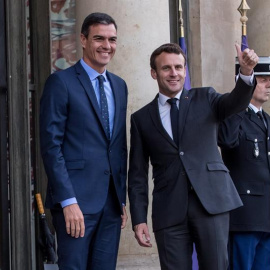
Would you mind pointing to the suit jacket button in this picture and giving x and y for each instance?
(181, 153)
(248, 191)
(106, 172)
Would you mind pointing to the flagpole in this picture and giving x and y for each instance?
(243, 8)
(181, 21)
(182, 44)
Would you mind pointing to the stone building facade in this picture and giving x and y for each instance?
(39, 37)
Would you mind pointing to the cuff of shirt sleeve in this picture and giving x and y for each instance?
(247, 79)
(68, 202)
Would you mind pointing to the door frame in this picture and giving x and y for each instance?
(4, 190)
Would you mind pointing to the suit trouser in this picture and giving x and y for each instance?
(208, 232)
(98, 249)
(250, 251)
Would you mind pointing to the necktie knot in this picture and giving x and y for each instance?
(260, 115)
(172, 101)
(100, 80)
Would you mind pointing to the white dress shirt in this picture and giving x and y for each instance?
(255, 109)
(164, 111)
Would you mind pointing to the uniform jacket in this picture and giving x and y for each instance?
(200, 110)
(239, 136)
(78, 158)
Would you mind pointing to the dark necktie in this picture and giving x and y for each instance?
(260, 115)
(104, 106)
(174, 118)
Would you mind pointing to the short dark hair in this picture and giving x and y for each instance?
(168, 48)
(96, 18)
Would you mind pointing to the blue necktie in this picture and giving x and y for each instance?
(174, 118)
(104, 106)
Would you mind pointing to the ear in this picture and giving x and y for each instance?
(153, 74)
(185, 72)
(83, 40)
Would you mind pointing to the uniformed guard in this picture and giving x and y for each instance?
(245, 148)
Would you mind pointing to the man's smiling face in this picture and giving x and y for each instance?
(100, 45)
(170, 73)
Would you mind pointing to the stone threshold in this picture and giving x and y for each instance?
(138, 262)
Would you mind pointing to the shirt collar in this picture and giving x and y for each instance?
(91, 72)
(255, 109)
(163, 99)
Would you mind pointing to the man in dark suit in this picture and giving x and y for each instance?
(83, 146)
(245, 148)
(193, 191)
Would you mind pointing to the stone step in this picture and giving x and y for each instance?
(138, 262)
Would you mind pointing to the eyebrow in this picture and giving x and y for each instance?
(169, 66)
(99, 36)
(263, 77)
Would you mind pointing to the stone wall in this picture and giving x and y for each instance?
(213, 30)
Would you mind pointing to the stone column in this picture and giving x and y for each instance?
(214, 27)
(258, 25)
(143, 25)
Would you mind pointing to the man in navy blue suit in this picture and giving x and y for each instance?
(83, 146)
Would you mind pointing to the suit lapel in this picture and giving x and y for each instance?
(155, 116)
(185, 99)
(267, 119)
(254, 118)
(87, 85)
